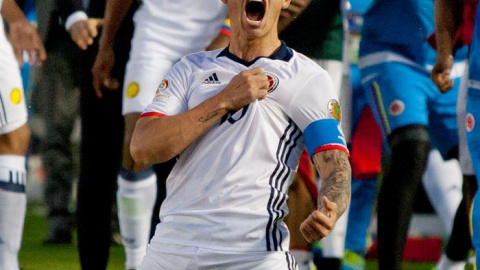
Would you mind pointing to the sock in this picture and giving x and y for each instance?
(442, 181)
(303, 258)
(397, 196)
(446, 264)
(13, 204)
(460, 242)
(361, 207)
(136, 198)
(334, 243)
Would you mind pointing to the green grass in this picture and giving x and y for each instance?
(35, 256)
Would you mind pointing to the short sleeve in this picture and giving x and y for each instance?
(316, 110)
(170, 97)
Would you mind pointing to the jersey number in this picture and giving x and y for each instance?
(230, 116)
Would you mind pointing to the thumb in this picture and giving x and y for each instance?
(329, 207)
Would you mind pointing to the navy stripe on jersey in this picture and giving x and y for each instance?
(3, 113)
(15, 182)
(278, 195)
(292, 263)
(283, 53)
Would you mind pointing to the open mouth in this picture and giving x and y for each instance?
(255, 10)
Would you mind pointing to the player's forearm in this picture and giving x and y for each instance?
(447, 19)
(335, 174)
(115, 12)
(11, 12)
(158, 139)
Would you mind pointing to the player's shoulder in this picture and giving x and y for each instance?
(306, 66)
(198, 60)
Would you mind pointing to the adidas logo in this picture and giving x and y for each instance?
(212, 79)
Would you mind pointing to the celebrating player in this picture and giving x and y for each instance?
(238, 119)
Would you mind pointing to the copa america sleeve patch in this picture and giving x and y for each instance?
(324, 135)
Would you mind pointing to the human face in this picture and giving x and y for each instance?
(255, 18)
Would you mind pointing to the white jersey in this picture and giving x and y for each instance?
(164, 32)
(179, 27)
(228, 189)
(13, 111)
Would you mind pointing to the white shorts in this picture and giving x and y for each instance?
(141, 83)
(13, 111)
(161, 256)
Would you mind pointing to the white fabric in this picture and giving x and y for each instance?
(135, 205)
(13, 111)
(12, 212)
(334, 243)
(141, 81)
(387, 56)
(304, 258)
(446, 264)
(228, 189)
(75, 17)
(176, 257)
(464, 152)
(442, 181)
(161, 39)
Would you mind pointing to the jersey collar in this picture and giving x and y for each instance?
(283, 53)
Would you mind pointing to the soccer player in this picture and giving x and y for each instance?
(411, 112)
(238, 120)
(14, 131)
(159, 41)
(457, 23)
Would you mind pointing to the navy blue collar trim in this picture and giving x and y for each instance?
(283, 53)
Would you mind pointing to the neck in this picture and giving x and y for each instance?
(250, 49)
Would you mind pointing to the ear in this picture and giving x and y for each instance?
(285, 4)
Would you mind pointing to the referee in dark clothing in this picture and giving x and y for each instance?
(101, 142)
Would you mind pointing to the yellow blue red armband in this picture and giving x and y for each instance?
(324, 135)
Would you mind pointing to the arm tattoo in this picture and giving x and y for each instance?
(205, 119)
(335, 174)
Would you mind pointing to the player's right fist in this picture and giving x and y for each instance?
(244, 88)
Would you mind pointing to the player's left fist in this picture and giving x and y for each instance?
(320, 222)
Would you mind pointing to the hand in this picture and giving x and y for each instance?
(441, 73)
(24, 37)
(320, 222)
(102, 70)
(244, 88)
(84, 31)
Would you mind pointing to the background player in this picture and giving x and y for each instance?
(394, 67)
(14, 131)
(457, 23)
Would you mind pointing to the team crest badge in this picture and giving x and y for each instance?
(133, 89)
(163, 86)
(396, 108)
(470, 122)
(16, 96)
(272, 81)
(161, 91)
(334, 109)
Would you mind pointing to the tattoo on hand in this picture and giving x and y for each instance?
(335, 174)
